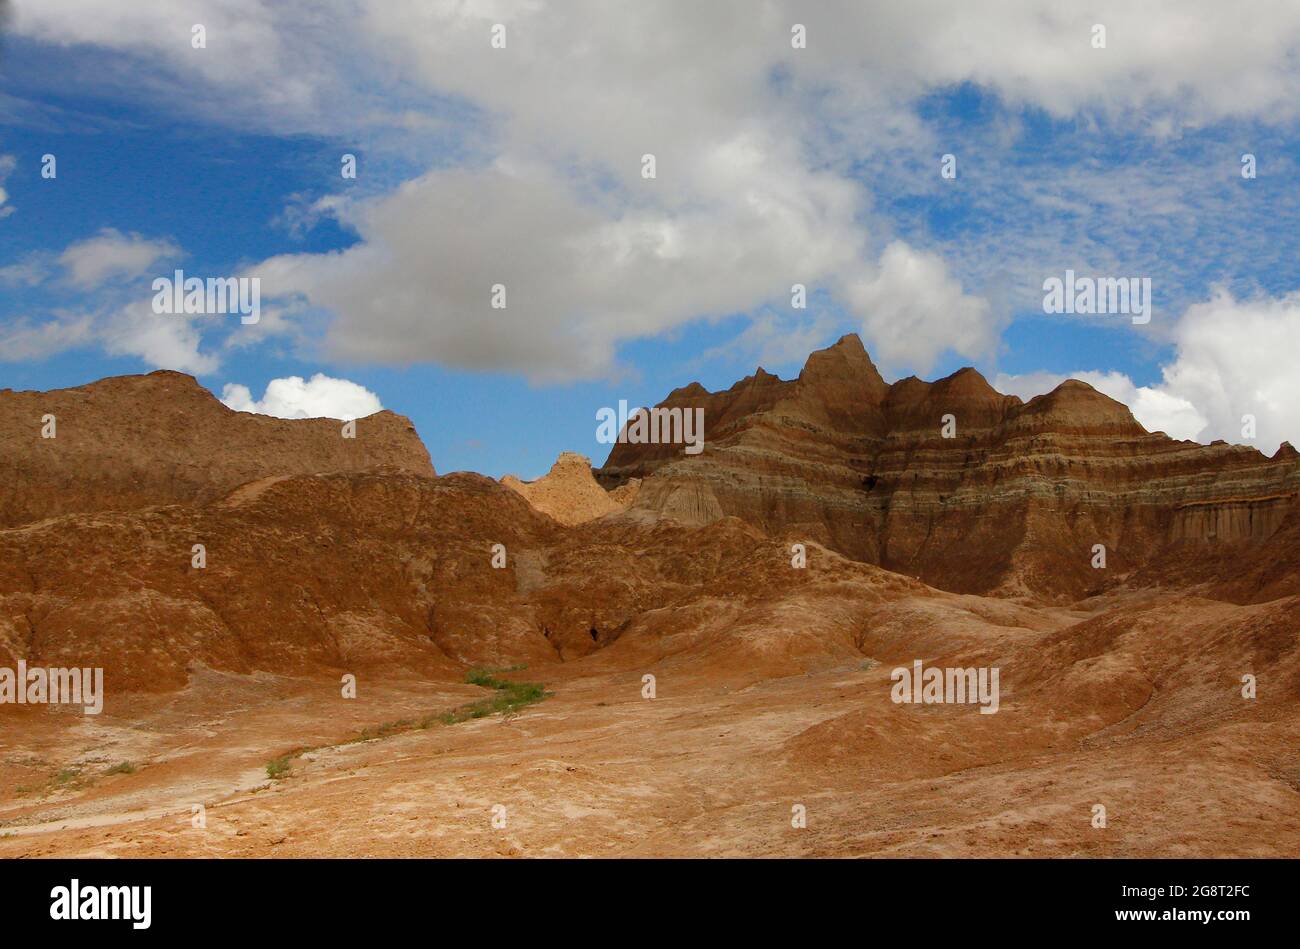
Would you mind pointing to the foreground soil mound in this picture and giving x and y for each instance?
(952, 482)
(132, 442)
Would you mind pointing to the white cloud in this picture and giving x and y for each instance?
(111, 254)
(1192, 60)
(754, 142)
(772, 340)
(1155, 409)
(253, 46)
(912, 310)
(24, 339)
(291, 397)
(28, 272)
(1232, 358)
(117, 315)
(161, 341)
(581, 273)
(165, 341)
(1238, 357)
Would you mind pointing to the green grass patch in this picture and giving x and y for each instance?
(65, 779)
(486, 677)
(122, 767)
(509, 697)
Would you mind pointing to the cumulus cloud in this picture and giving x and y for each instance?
(752, 140)
(111, 254)
(1196, 59)
(580, 275)
(913, 309)
(116, 315)
(133, 329)
(1238, 357)
(1232, 358)
(165, 341)
(1156, 409)
(292, 397)
(755, 145)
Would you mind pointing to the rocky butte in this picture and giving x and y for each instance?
(131, 442)
(1012, 505)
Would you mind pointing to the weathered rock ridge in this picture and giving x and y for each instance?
(132, 442)
(1013, 503)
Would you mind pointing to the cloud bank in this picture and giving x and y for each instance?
(292, 397)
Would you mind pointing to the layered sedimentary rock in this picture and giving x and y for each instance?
(132, 442)
(1014, 501)
(383, 570)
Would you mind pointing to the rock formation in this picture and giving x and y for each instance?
(568, 492)
(774, 666)
(330, 553)
(1013, 502)
(132, 442)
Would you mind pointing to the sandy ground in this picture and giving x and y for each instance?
(709, 767)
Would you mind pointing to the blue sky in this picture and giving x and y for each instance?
(773, 169)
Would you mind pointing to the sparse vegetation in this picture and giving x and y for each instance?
(122, 767)
(486, 676)
(509, 698)
(65, 779)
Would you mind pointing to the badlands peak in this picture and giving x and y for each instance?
(568, 492)
(956, 483)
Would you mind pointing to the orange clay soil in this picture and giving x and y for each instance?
(1135, 707)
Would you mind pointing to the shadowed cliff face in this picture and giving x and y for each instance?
(132, 442)
(1013, 502)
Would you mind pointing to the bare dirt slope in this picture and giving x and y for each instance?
(1094, 711)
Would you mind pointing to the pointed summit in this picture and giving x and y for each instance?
(568, 492)
(845, 363)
